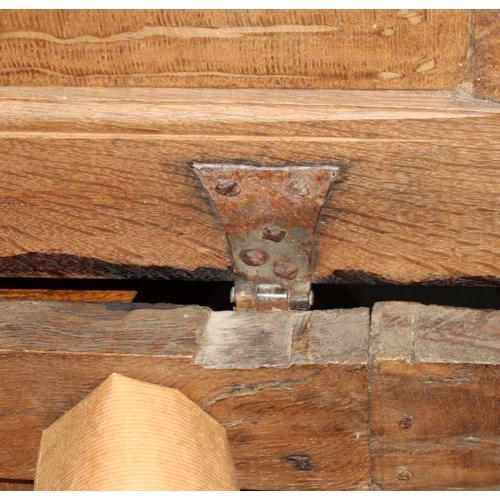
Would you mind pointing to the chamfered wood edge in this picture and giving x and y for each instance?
(149, 112)
(212, 339)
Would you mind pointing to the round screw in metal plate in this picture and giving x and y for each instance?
(228, 187)
(273, 233)
(285, 269)
(253, 257)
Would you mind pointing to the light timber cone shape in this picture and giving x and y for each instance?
(132, 435)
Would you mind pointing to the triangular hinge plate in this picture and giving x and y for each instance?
(270, 216)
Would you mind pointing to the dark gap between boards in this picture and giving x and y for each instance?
(215, 294)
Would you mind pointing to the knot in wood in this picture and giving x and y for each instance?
(301, 462)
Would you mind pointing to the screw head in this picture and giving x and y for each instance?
(228, 187)
(405, 421)
(254, 257)
(298, 187)
(403, 473)
(273, 233)
(285, 269)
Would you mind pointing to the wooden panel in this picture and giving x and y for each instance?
(75, 295)
(97, 182)
(349, 49)
(300, 426)
(435, 397)
(486, 66)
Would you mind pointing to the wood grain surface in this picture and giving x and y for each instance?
(303, 426)
(71, 295)
(253, 339)
(486, 61)
(343, 49)
(420, 399)
(98, 183)
(435, 397)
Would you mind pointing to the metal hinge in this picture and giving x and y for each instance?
(270, 216)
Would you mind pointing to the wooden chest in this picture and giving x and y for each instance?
(103, 115)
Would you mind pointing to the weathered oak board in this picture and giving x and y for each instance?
(435, 397)
(302, 425)
(97, 182)
(350, 49)
(73, 295)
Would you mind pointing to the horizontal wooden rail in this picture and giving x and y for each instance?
(98, 182)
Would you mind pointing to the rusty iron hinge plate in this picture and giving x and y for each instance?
(270, 216)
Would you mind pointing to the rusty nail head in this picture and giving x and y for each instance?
(405, 421)
(403, 473)
(228, 187)
(273, 233)
(254, 257)
(285, 269)
(298, 187)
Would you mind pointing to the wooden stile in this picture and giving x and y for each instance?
(435, 397)
(486, 67)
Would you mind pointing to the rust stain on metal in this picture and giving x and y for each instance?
(298, 187)
(271, 212)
